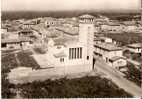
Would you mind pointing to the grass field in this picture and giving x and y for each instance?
(27, 60)
(9, 62)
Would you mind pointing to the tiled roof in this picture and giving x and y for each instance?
(22, 39)
(135, 45)
(25, 31)
(61, 54)
(97, 39)
(129, 23)
(107, 46)
(116, 58)
(65, 41)
(69, 30)
(86, 16)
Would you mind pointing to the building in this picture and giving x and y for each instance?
(130, 26)
(135, 48)
(113, 27)
(106, 39)
(25, 33)
(110, 53)
(117, 62)
(15, 43)
(28, 25)
(74, 54)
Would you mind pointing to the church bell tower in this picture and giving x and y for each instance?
(86, 34)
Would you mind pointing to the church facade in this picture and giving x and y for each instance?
(74, 54)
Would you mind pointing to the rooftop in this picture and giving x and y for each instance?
(61, 54)
(114, 24)
(29, 23)
(97, 39)
(23, 39)
(87, 16)
(26, 31)
(135, 45)
(69, 30)
(116, 58)
(129, 23)
(107, 46)
(65, 41)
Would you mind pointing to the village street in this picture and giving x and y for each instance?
(118, 79)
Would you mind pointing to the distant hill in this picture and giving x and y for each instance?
(34, 14)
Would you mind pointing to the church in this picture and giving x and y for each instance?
(74, 54)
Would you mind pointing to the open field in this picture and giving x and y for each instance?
(9, 62)
(27, 60)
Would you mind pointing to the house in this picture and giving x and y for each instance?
(117, 62)
(28, 33)
(25, 33)
(130, 26)
(16, 43)
(52, 22)
(106, 39)
(97, 40)
(135, 48)
(113, 27)
(28, 25)
(3, 30)
(110, 53)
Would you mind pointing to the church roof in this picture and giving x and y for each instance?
(65, 41)
(61, 54)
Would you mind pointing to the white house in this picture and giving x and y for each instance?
(130, 26)
(135, 48)
(106, 39)
(16, 43)
(112, 27)
(110, 53)
(117, 62)
(28, 25)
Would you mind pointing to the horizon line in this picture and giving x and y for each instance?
(101, 11)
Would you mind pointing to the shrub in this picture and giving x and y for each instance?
(8, 62)
(79, 87)
(134, 74)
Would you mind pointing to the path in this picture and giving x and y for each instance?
(118, 79)
(17, 60)
(18, 96)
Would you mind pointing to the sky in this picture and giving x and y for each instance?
(67, 5)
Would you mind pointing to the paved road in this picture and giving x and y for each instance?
(119, 79)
